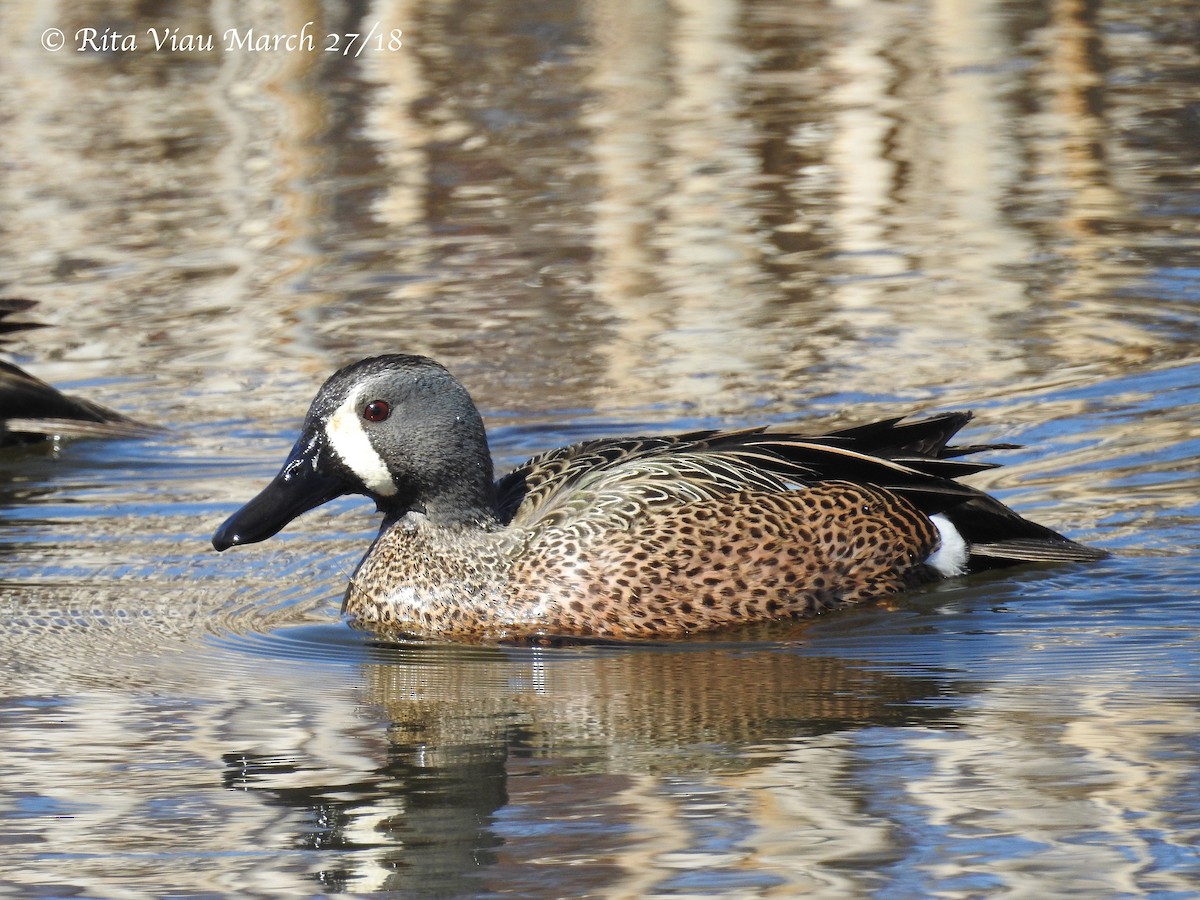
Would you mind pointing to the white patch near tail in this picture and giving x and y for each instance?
(950, 557)
(348, 439)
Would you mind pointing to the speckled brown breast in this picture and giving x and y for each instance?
(749, 556)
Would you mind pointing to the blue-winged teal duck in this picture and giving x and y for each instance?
(32, 411)
(629, 537)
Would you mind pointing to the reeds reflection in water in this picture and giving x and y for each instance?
(607, 219)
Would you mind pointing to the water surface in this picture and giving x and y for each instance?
(606, 220)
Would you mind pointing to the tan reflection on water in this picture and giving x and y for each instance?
(1045, 762)
(673, 229)
(643, 745)
(670, 239)
(643, 212)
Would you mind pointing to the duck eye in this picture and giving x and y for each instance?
(377, 411)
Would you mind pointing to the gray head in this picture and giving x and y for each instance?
(399, 429)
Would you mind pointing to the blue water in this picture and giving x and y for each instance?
(605, 221)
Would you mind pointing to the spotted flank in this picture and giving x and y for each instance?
(630, 538)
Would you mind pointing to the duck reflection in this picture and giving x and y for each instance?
(560, 751)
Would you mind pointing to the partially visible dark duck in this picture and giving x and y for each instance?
(32, 411)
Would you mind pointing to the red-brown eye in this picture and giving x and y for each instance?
(377, 411)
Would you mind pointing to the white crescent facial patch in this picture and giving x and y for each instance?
(348, 439)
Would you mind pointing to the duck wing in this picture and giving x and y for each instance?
(890, 453)
(31, 408)
(10, 306)
(612, 482)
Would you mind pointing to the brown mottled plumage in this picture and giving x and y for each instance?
(629, 538)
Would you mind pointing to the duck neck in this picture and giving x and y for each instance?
(457, 493)
(464, 505)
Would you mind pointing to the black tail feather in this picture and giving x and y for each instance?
(997, 536)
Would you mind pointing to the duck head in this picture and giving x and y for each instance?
(399, 429)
